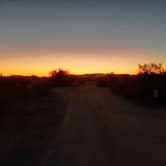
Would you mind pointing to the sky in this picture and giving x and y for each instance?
(99, 36)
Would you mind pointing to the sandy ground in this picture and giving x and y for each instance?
(102, 129)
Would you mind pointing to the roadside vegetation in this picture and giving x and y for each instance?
(30, 115)
(146, 87)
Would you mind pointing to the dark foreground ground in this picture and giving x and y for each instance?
(98, 129)
(27, 129)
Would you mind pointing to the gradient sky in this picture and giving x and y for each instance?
(37, 36)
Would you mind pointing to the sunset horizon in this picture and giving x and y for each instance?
(82, 37)
(81, 70)
(83, 82)
(45, 70)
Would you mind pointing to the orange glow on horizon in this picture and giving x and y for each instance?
(41, 64)
(77, 72)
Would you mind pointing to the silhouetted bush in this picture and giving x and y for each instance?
(17, 89)
(151, 68)
(61, 78)
(141, 87)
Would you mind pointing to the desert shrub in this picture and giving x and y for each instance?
(140, 88)
(18, 89)
(61, 78)
(151, 68)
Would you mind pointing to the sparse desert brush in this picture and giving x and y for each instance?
(61, 78)
(141, 87)
(17, 89)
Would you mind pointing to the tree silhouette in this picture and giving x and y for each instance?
(151, 68)
(61, 77)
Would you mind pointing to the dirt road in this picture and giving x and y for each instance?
(101, 129)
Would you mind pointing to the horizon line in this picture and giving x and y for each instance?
(47, 75)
